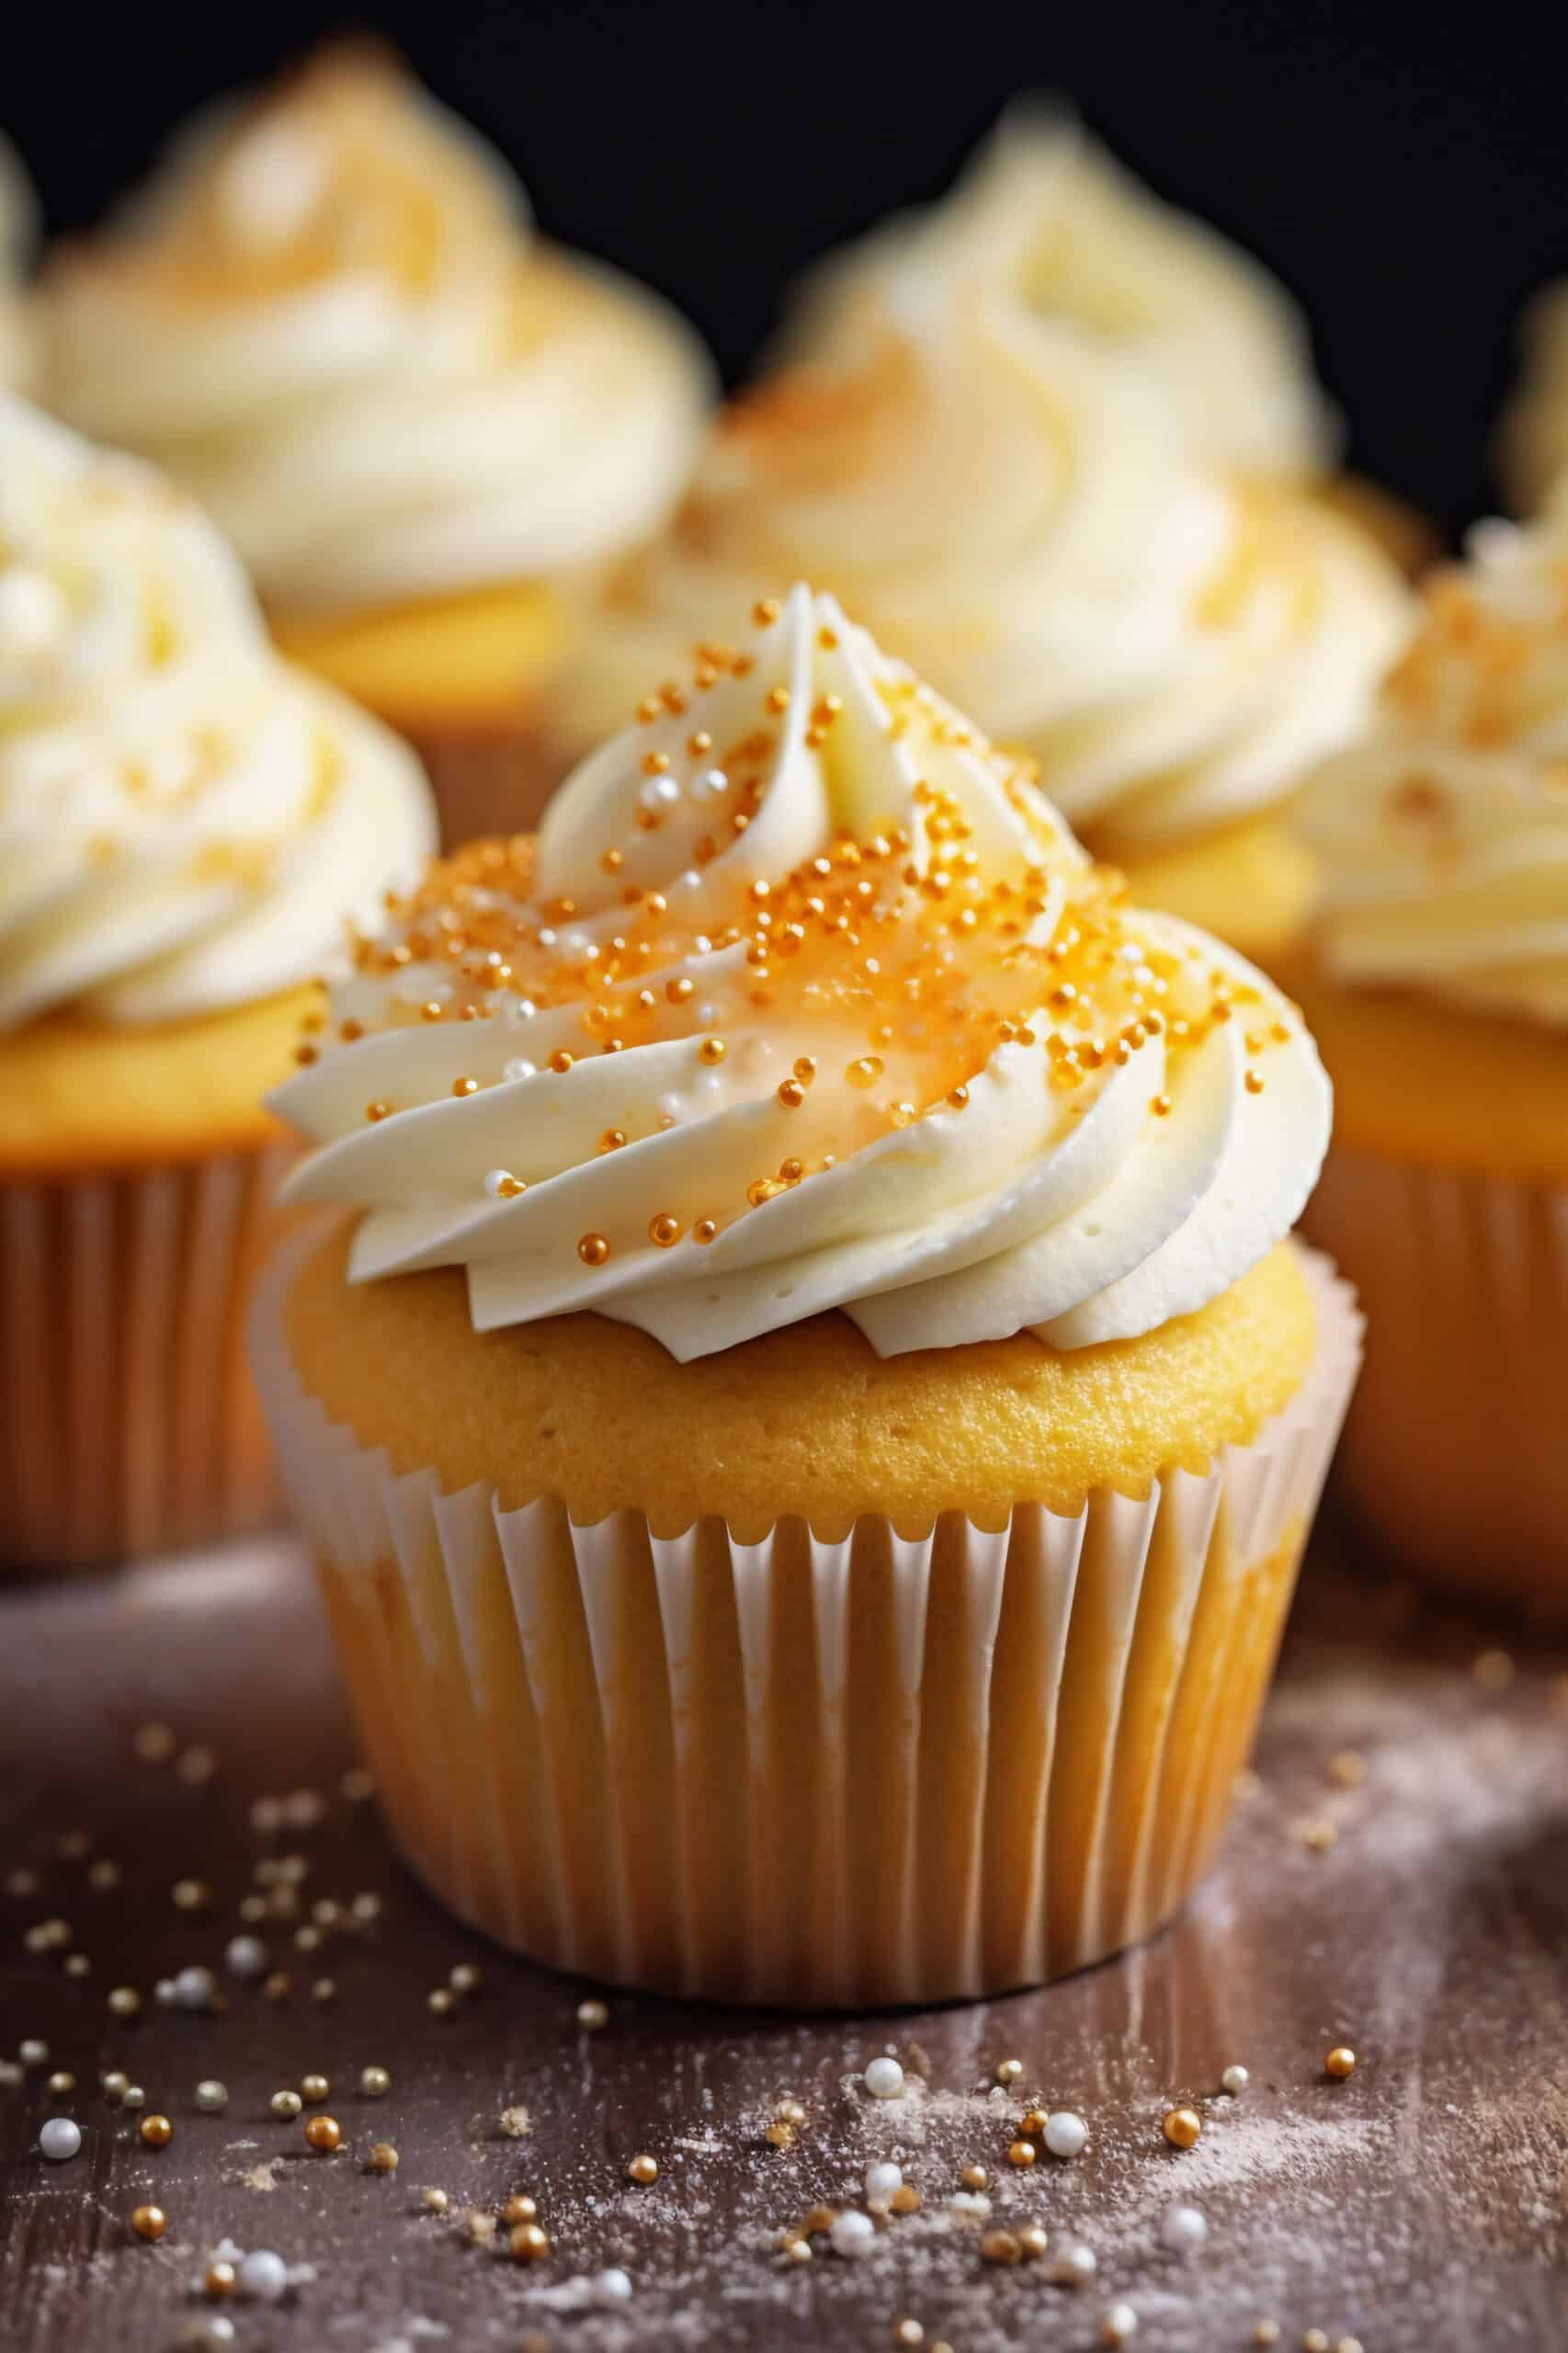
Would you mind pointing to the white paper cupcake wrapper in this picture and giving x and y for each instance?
(1456, 1450)
(131, 1421)
(901, 1766)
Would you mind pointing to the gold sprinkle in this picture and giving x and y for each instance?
(1181, 2127)
(643, 2170)
(711, 1051)
(593, 1249)
(461, 1086)
(1340, 2062)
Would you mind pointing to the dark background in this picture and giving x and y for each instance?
(1405, 172)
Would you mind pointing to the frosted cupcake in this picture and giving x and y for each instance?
(1024, 518)
(809, 1423)
(331, 319)
(1439, 990)
(185, 824)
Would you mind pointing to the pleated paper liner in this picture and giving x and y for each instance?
(130, 1422)
(900, 1767)
(1456, 1448)
(485, 782)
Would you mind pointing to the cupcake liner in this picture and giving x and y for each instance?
(492, 782)
(1456, 1448)
(132, 1423)
(905, 1765)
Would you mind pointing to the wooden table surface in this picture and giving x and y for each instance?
(1420, 1915)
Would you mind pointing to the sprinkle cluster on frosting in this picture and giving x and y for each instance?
(1022, 514)
(1049, 218)
(330, 319)
(1444, 835)
(184, 820)
(805, 997)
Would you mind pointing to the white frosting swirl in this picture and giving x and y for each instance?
(809, 1000)
(1019, 517)
(1047, 220)
(18, 228)
(185, 822)
(329, 318)
(1444, 835)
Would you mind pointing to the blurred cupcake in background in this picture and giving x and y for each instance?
(185, 826)
(1532, 446)
(18, 228)
(331, 319)
(1438, 991)
(1027, 520)
(1054, 225)
(810, 1423)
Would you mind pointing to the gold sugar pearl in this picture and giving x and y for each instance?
(711, 1051)
(865, 1070)
(149, 2222)
(975, 2178)
(528, 2243)
(790, 2112)
(664, 1231)
(325, 2135)
(461, 1086)
(806, 1068)
(157, 2131)
(315, 2087)
(1033, 2242)
(765, 611)
(1253, 1083)
(613, 1140)
(705, 1230)
(562, 1060)
(1008, 2070)
(656, 763)
(1020, 2155)
(905, 2199)
(1161, 1106)
(222, 2280)
(1340, 2062)
(778, 698)
(643, 2170)
(791, 1094)
(1181, 2127)
(779, 2135)
(593, 1249)
(374, 1111)
(383, 2158)
(519, 2208)
(1000, 2246)
(679, 991)
(959, 1097)
(1034, 2121)
(699, 742)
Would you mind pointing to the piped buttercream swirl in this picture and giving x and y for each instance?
(330, 320)
(806, 998)
(185, 822)
(1443, 836)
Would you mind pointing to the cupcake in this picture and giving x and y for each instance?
(330, 319)
(185, 824)
(19, 220)
(1439, 986)
(807, 1493)
(1022, 516)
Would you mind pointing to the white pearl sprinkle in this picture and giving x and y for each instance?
(1072, 2265)
(264, 2276)
(712, 785)
(883, 2079)
(546, 936)
(193, 1988)
(205, 2330)
(852, 2233)
(883, 2178)
(520, 1067)
(1066, 2135)
(1235, 2080)
(33, 2052)
(659, 793)
(500, 1184)
(245, 1956)
(612, 2287)
(1182, 2229)
(211, 2097)
(1118, 2323)
(60, 2137)
(133, 2097)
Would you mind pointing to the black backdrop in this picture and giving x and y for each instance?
(1405, 171)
